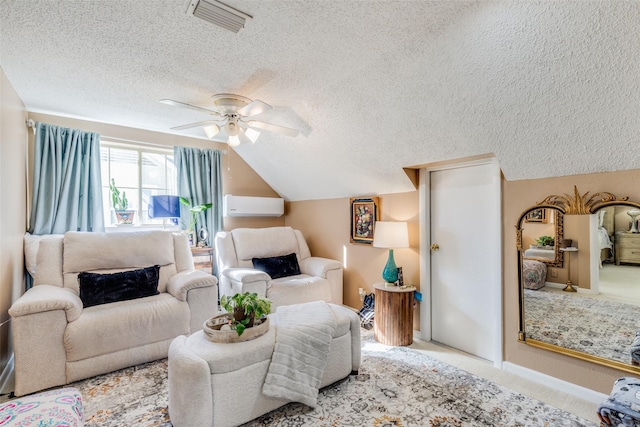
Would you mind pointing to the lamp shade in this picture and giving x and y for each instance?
(391, 234)
(164, 207)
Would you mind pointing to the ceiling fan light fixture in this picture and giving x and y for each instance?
(232, 127)
(233, 141)
(232, 117)
(211, 131)
(252, 134)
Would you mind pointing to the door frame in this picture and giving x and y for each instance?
(424, 203)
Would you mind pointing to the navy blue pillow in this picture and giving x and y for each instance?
(278, 266)
(96, 289)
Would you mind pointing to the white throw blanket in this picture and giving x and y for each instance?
(303, 339)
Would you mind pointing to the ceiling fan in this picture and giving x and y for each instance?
(232, 120)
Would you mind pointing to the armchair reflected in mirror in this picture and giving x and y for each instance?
(599, 323)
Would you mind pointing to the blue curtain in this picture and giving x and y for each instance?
(67, 189)
(200, 182)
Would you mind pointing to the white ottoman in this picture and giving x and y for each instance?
(220, 385)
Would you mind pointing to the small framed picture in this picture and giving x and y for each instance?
(537, 215)
(400, 277)
(364, 214)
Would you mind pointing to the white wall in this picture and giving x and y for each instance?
(13, 143)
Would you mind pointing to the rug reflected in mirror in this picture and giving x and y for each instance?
(583, 323)
(396, 386)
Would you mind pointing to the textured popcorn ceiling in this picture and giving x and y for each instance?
(551, 88)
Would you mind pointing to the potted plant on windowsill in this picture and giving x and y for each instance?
(245, 318)
(120, 204)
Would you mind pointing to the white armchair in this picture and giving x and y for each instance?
(237, 250)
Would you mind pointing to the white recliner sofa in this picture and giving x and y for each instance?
(58, 341)
(318, 279)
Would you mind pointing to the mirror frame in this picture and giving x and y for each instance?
(568, 205)
(558, 260)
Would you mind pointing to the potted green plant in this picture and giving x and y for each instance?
(120, 205)
(545, 241)
(194, 211)
(247, 309)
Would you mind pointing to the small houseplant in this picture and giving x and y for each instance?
(120, 204)
(194, 211)
(545, 241)
(246, 309)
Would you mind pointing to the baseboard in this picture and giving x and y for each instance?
(6, 378)
(564, 386)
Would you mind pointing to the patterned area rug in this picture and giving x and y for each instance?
(577, 322)
(396, 386)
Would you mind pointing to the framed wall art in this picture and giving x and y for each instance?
(364, 214)
(536, 215)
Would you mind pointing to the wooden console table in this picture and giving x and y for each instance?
(393, 318)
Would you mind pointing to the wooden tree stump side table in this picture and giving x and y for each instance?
(393, 318)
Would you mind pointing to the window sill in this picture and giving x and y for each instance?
(134, 227)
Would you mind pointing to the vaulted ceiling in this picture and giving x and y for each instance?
(550, 87)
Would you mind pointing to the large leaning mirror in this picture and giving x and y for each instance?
(580, 296)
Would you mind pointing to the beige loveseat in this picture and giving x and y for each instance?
(319, 279)
(57, 341)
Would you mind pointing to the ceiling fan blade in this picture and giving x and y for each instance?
(197, 124)
(273, 128)
(189, 106)
(254, 108)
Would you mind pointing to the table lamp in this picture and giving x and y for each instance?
(164, 207)
(390, 234)
(634, 214)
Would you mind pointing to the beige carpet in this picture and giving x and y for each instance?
(484, 369)
(100, 405)
(620, 283)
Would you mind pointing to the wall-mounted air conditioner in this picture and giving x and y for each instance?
(253, 206)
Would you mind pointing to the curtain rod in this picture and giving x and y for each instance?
(152, 144)
(30, 123)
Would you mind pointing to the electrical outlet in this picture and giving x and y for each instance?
(553, 272)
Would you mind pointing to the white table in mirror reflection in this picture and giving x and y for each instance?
(569, 287)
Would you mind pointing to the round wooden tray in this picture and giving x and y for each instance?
(213, 333)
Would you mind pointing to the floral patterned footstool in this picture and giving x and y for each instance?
(59, 408)
(534, 274)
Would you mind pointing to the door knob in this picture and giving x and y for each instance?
(435, 247)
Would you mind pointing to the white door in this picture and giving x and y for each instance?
(465, 270)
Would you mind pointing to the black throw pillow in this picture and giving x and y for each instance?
(96, 289)
(278, 266)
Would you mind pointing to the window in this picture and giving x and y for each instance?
(140, 172)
